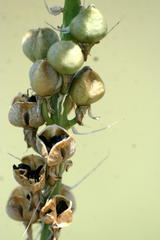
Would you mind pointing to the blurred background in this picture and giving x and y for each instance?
(121, 200)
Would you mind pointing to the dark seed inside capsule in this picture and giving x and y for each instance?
(20, 210)
(31, 174)
(26, 118)
(61, 207)
(52, 141)
(32, 99)
(28, 197)
(49, 211)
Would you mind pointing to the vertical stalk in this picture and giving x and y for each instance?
(71, 9)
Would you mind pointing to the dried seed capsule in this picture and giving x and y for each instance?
(45, 81)
(65, 56)
(36, 42)
(87, 88)
(57, 211)
(25, 112)
(89, 25)
(30, 173)
(21, 206)
(55, 144)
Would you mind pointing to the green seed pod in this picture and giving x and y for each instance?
(65, 56)
(36, 42)
(89, 25)
(45, 81)
(87, 88)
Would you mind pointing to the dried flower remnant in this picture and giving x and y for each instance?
(55, 144)
(30, 173)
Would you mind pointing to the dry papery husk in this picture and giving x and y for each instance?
(21, 205)
(31, 173)
(57, 211)
(30, 137)
(25, 112)
(53, 172)
(55, 144)
(67, 193)
(80, 113)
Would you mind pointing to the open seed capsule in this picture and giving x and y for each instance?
(36, 42)
(45, 81)
(21, 206)
(65, 56)
(57, 211)
(89, 25)
(87, 87)
(55, 144)
(25, 112)
(30, 173)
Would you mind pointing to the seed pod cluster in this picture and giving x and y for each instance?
(60, 84)
(55, 146)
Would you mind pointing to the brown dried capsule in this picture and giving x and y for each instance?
(36, 42)
(30, 173)
(57, 211)
(55, 144)
(21, 206)
(45, 81)
(25, 112)
(87, 87)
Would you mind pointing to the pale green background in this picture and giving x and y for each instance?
(121, 200)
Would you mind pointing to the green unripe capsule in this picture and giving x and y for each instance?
(87, 88)
(36, 42)
(65, 56)
(89, 25)
(45, 81)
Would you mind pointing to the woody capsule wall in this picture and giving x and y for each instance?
(121, 199)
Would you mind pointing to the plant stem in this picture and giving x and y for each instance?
(71, 9)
